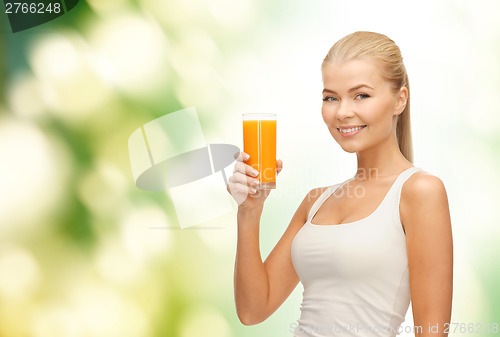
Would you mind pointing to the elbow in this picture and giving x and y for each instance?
(248, 320)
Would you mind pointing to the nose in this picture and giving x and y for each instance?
(344, 111)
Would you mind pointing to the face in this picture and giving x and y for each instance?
(359, 106)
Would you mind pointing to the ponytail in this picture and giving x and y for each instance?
(403, 128)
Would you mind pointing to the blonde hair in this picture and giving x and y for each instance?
(384, 50)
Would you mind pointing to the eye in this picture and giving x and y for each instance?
(362, 96)
(329, 99)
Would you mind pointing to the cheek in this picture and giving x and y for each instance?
(327, 114)
(386, 117)
(324, 114)
(378, 115)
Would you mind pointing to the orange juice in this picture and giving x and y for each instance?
(259, 141)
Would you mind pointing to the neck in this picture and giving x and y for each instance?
(382, 160)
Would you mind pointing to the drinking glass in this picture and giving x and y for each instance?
(259, 141)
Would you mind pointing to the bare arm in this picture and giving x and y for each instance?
(250, 277)
(426, 218)
(261, 287)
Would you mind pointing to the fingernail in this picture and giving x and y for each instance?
(246, 156)
(253, 190)
(255, 172)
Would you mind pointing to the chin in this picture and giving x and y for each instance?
(350, 149)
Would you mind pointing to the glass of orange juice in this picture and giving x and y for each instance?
(259, 141)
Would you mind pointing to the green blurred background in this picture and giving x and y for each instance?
(82, 250)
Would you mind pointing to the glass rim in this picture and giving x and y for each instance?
(259, 116)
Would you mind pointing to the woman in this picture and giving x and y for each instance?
(363, 247)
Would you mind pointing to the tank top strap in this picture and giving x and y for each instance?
(398, 184)
(395, 190)
(326, 193)
(395, 196)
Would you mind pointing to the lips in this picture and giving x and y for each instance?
(350, 128)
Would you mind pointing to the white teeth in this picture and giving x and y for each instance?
(350, 130)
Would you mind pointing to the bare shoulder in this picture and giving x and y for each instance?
(423, 199)
(422, 185)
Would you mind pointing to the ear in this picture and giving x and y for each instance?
(401, 100)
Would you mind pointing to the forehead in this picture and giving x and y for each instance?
(345, 75)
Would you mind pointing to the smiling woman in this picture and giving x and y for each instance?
(348, 106)
(373, 68)
(369, 252)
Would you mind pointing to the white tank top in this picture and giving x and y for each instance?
(355, 275)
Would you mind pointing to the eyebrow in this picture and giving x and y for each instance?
(350, 90)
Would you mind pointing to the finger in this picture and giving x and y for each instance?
(241, 156)
(245, 169)
(241, 189)
(279, 166)
(243, 179)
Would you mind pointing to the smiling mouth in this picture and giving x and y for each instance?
(349, 130)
